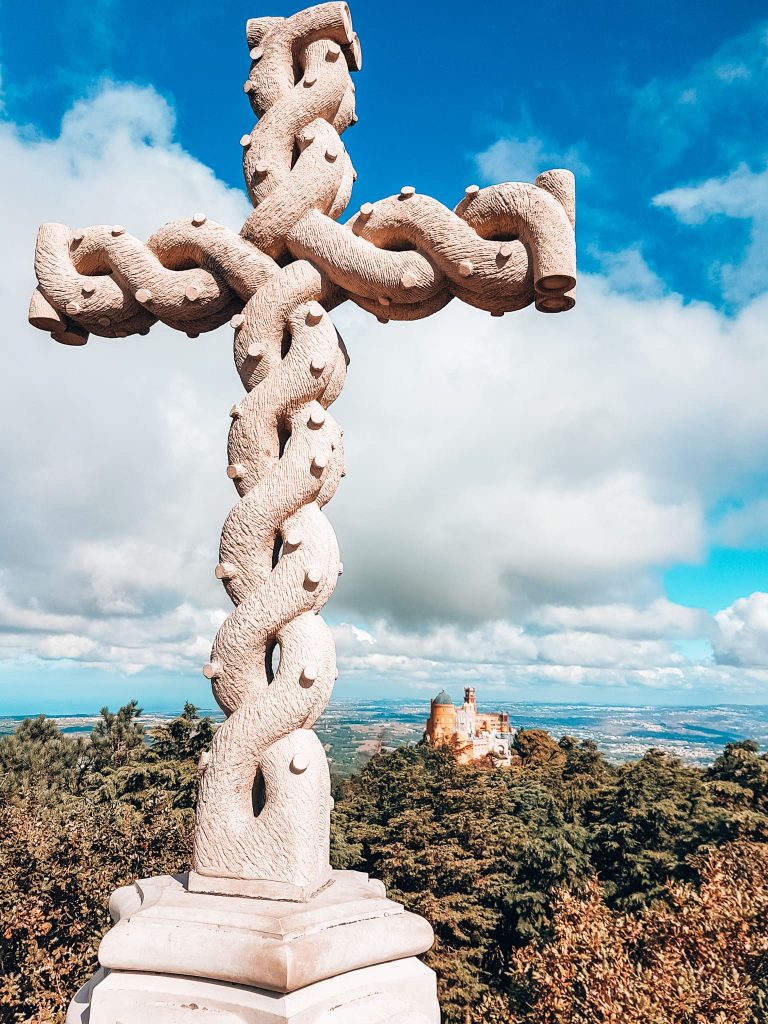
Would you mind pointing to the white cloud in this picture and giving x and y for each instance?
(746, 525)
(541, 460)
(112, 455)
(626, 270)
(741, 194)
(496, 648)
(65, 645)
(659, 618)
(114, 157)
(595, 650)
(178, 639)
(500, 657)
(514, 485)
(741, 636)
(522, 156)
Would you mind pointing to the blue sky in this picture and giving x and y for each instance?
(598, 83)
(631, 533)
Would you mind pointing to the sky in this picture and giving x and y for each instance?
(564, 508)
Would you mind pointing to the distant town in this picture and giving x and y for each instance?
(353, 731)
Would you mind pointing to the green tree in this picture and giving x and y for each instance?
(537, 749)
(563, 890)
(584, 774)
(164, 771)
(742, 765)
(116, 737)
(477, 852)
(699, 957)
(185, 738)
(646, 823)
(38, 758)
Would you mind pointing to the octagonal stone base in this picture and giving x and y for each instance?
(401, 992)
(164, 928)
(345, 956)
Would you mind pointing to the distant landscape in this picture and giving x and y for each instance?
(354, 730)
(567, 887)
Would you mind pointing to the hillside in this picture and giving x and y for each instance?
(564, 891)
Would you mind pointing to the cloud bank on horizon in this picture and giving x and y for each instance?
(544, 507)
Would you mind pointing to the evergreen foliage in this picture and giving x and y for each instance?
(38, 760)
(116, 738)
(565, 890)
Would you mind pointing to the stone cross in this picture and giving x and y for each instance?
(316, 945)
(263, 809)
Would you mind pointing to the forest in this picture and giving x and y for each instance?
(566, 890)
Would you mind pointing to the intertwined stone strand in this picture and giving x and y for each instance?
(279, 562)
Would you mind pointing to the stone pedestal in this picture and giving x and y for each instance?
(401, 992)
(175, 956)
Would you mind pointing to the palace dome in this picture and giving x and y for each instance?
(442, 698)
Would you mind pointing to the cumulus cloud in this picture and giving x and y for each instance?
(177, 639)
(499, 647)
(65, 645)
(508, 660)
(741, 194)
(626, 270)
(659, 618)
(515, 486)
(541, 460)
(115, 154)
(521, 156)
(741, 634)
(112, 455)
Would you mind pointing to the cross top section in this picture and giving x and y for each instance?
(501, 249)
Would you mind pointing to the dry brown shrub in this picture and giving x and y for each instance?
(58, 867)
(699, 958)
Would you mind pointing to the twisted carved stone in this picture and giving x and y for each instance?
(264, 800)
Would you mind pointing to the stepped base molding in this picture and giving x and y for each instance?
(401, 992)
(174, 956)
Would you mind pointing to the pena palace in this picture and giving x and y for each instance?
(469, 733)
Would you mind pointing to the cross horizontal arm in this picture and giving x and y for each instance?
(503, 248)
(400, 258)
